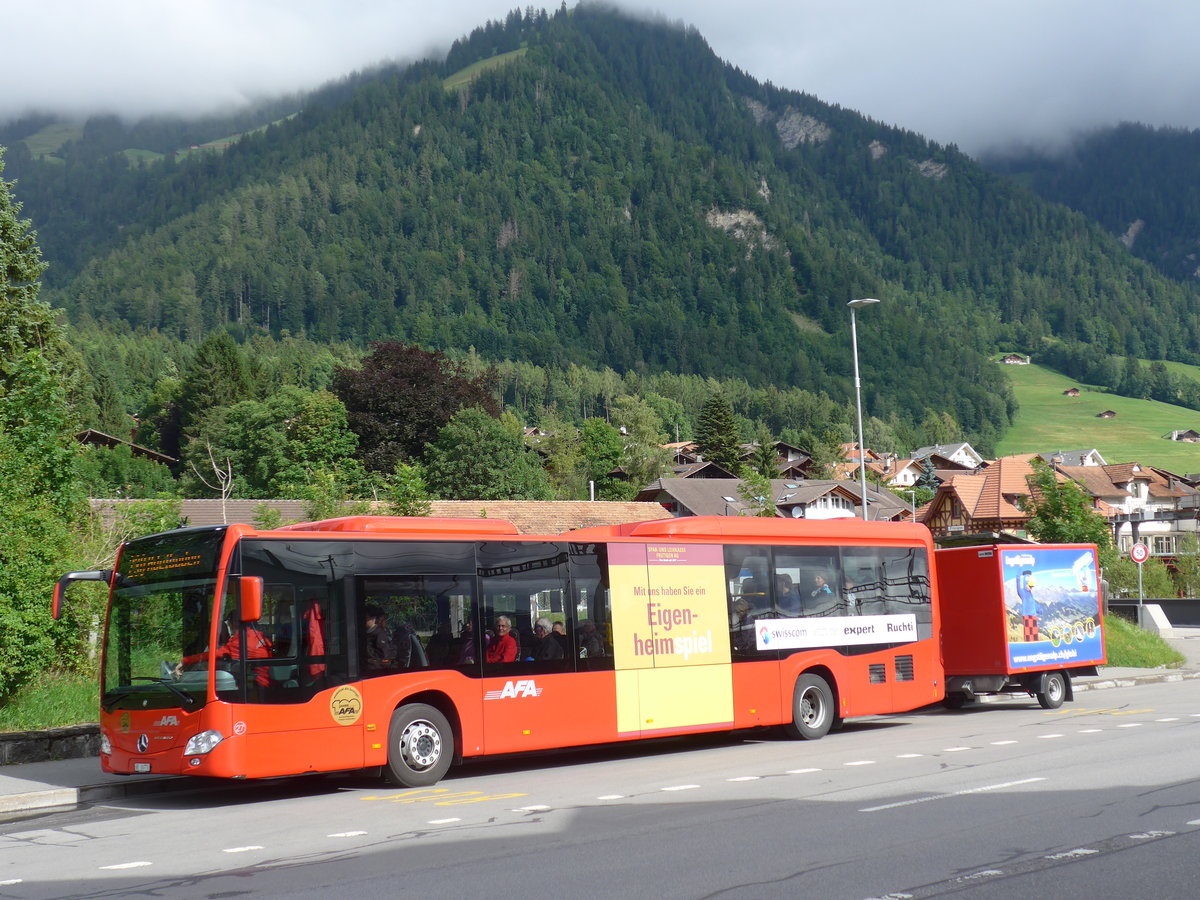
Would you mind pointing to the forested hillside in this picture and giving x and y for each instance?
(1141, 184)
(606, 194)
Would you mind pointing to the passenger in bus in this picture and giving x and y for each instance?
(787, 598)
(467, 649)
(821, 589)
(741, 628)
(381, 652)
(503, 648)
(258, 646)
(441, 648)
(591, 646)
(545, 645)
(558, 631)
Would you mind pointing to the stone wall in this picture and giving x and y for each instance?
(71, 742)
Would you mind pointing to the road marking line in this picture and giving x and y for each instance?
(955, 749)
(531, 808)
(1168, 719)
(443, 821)
(1002, 743)
(1151, 835)
(1131, 725)
(1073, 854)
(801, 771)
(681, 787)
(10, 881)
(1090, 730)
(341, 834)
(129, 865)
(241, 849)
(978, 790)
(1048, 737)
(480, 799)
(744, 778)
(860, 762)
(909, 755)
(611, 797)
(1193, 822)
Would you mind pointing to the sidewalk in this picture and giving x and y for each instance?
(70, 782)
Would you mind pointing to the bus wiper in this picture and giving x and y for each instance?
(187, 698)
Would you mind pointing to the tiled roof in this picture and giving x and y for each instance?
(544, 517)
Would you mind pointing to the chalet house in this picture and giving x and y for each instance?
(1158, 506)
(1074, 458)
(92, 437)
(1015, 359)
(1071, 392)
(949, 456)
(813, 499)
(990, 500)
(895, 472)
(701, 470)
(683, 451)
(1189, 436)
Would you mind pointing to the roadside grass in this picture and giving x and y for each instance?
(1047, 421)
(1130, 646)
(54, 700)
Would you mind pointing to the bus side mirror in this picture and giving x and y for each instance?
(60, 588)
(251, 598)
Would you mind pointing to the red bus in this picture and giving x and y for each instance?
(484, 641)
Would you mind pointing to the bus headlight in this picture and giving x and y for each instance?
(105, 744)
(202, 743)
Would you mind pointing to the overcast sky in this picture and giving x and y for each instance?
(971, 72)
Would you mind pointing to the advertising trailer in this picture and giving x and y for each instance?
(1019, 619)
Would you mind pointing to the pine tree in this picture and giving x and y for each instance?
(717, 438)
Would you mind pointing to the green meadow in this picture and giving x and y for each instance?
(1048, 420)
(464, 76)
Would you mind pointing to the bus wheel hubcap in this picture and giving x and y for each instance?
(810, 707)
(420, 744)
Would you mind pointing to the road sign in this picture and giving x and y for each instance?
(1139, 553)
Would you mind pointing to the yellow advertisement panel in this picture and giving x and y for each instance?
(670, 636)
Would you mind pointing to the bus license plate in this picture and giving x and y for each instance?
(141, 768)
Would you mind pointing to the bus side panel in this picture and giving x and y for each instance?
(540, 712)
(900, 678)
(756, 695)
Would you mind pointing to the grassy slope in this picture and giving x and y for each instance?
(1048, 421)
(464, 76)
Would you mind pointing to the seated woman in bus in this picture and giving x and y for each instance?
(545, 644)
(258, 646)
(503, 648)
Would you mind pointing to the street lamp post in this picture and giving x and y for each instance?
(862, 454)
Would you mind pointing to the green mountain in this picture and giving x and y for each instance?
(586, 188)
(1141, 184)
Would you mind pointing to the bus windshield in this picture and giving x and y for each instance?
(159, 613)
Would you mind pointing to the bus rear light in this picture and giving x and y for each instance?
(105, 744)
(204, 742)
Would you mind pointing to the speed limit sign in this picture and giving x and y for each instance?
(1139, 553)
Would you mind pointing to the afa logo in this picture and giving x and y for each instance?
(764, 635)
(166, 722)
(346, 705)
(514, 689)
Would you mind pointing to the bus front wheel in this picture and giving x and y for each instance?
(812, 708)
(420, 745)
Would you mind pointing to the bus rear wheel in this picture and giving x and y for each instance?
(420, 745)
(812, 709)
(1053, 692)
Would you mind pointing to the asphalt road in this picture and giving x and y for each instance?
(1097, 799)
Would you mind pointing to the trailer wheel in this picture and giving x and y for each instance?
(1053, 692)
(420, 745)
(812, 709)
